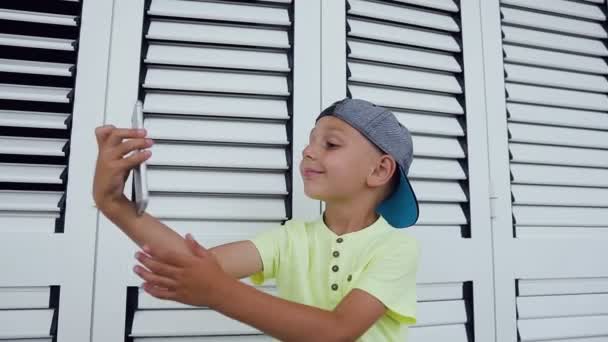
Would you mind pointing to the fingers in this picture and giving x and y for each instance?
(154, 279)
(132, 145)
(118, 134)
(155, 266)
(158, 292)
(134, 160)
(195, 248)
(102, 133)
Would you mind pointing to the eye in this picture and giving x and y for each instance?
(331, 145)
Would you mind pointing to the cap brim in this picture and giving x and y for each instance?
(400, 210)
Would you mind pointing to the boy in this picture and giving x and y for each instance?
(348, 275)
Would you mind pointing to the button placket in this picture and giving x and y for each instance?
(335, 268)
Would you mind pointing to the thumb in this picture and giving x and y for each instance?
(195, 248)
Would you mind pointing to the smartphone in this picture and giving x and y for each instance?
(140, 196)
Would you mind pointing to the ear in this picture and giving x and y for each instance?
(382, 173)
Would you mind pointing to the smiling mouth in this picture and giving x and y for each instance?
(311, 173)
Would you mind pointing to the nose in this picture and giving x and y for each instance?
(308, 152)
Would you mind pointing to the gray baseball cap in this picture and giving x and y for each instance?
(381, 127)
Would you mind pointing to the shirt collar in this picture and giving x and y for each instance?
(378, 226)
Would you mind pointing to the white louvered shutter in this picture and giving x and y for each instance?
(551, 209)
(216, 81)
(410, 56)
(38, 53)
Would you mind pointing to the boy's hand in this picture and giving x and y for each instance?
(189, 279)
(112, 167)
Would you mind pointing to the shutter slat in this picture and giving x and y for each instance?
(436, 168)
(556, 97)
(418, 122)
(211, 338)
(221, 34)
(27, 221)
(446, 5)
(207, 181)
(184, 206)
(562, 136)
(34, 93)
(574, 233)
(32, 67)
(20, 200)
(438, 191)
(404, 77)
(440, 147)
(541, 287)
(186, 323)
(169, 128)
(519, 112)
(553, 23)
(217, 57)
(559, 175)
(441, 214)
(16, 118)
(555, 41)
(36, 42)
(403, 55)
(215, 81)
(19, 324)
(555, 306)
(220, 11)
(406, 99)
(563, 328)
(403, 35)
(559, 196)
(218, 156)
(36, 17)
(439, 291)
(441, 312)
(555, 78)
(31, 173)
(554, 59)
(572, 156)
(215, 105)
(24, 297)
(454, 332)
(402, 14)
(559, 216)
(32, 146)
(562, 7)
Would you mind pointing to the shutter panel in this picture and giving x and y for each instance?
(26, 315)
(216, 83)
(409, 56)
(423, 92)
(550, 209)
(37, 64)
(38, 54)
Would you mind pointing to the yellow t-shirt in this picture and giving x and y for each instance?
(314, 266)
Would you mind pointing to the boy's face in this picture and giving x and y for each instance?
(337, 161)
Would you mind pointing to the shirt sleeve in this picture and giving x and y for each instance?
(391, 278)
(268, 243)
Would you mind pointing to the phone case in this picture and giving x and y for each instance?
(140, 180)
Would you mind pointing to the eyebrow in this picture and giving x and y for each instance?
(330, 130)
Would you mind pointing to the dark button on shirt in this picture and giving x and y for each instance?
(336, 254)
(335, 268)
(339, 240)
(334, 287)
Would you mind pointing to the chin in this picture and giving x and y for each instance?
(314, 194)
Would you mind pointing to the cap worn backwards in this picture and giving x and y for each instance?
(381, 127)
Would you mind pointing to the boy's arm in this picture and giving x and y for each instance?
(239, 259)
(290, 321)
(113, 166)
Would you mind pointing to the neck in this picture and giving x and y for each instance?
(343, 218)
